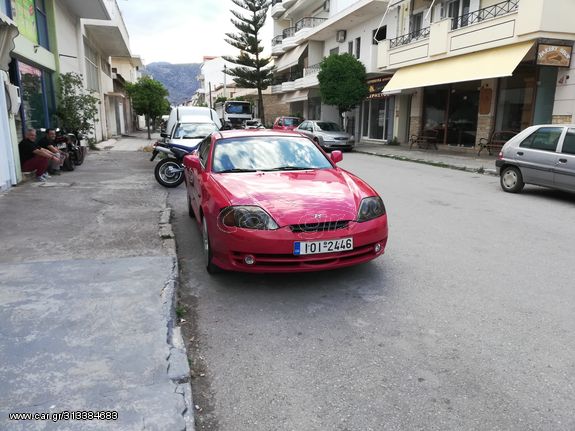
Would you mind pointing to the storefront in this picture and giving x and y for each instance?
(376, 112)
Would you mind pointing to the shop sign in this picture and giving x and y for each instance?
(554, 55)
(376, 87)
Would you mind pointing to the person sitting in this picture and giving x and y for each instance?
(33, 157)
(47, 142)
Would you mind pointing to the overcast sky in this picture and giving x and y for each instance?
(182, 31)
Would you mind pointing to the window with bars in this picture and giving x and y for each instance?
(92, 70)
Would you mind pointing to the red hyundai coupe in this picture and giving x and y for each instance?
(272, 201)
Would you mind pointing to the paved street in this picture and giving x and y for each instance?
(86, 292)
(466, 323)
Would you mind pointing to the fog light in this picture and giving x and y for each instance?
(377, 247)
(249, 259)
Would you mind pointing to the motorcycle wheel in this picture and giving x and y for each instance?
(80, 154)
(164, 173)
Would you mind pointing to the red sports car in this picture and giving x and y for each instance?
(270, 201)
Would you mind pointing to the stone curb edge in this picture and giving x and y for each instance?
(178, 368)
(491, 172)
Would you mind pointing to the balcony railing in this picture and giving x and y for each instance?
(490, 12)
(277, 40)
(311, 70)
(410, 37)
(292, 75)
(308, 22)
(274, 2)
(288, 32)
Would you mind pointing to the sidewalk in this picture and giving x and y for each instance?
(444, 157)
(136, 141)
(88, 276)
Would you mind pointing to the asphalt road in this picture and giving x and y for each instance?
(466, 322)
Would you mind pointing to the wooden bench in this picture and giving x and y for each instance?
(496, 141)
(425, 140)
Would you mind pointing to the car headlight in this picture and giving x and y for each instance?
(370, 208)
(247, 217)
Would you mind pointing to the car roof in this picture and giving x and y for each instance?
(242, 133)
(194, 119)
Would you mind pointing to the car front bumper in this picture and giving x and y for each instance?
(272, 251)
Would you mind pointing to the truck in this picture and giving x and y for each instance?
(234, 113)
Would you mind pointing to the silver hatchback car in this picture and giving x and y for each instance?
(327, 134)
(543, 155)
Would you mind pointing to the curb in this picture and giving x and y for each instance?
(178, 368)
(483, 171)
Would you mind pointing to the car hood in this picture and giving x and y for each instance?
(297, 197)
(190, 143)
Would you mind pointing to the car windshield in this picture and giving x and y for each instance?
(194, 130)
(328, 126)
(291, 121)
(267, 153)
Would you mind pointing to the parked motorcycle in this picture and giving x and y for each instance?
(73, 146)
(169, 171)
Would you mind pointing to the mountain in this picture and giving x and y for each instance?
(181, 80)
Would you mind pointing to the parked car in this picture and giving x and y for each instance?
(189, 130)
(253, 124)
(271, 201)
(327, 134)
(543, 155)
(286, 123)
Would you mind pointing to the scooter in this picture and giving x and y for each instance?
(169, 171)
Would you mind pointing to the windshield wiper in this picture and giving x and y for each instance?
(290, 168)
(227, 171)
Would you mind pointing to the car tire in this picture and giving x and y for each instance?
(190, 209)
(511, 179)
(207, 248)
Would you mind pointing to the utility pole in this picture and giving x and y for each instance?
(225, 69)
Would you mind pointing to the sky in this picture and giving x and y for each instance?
(182, 31)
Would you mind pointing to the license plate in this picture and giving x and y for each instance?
(324, 246)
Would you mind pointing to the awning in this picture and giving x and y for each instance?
(296, 96)
(290, 58)
(8, 32)
(490, 63)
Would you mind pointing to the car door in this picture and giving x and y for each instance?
(537, 155)
(195, 176)
(565, 167)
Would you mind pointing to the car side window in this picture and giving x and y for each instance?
(569, 142)
(304, 126)
(545, 138)
(204, 150)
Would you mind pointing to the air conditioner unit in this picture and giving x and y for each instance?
(13, 98)
(340, 36)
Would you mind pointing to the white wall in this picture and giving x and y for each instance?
(67, 31)
(7, 159)
(213, 73)
(565, 92)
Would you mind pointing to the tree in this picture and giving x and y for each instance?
(252, 70)
(149, 98)
(77, 107)
(342, 82)
(220, 99)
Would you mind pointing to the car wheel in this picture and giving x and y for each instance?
(511, 180)
(190, 209)
(210, 267)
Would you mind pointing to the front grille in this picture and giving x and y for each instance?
(340, 139)
(319, 227)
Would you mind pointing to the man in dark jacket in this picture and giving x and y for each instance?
(47, 142)
(33, 157)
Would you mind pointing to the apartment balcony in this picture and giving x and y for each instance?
(304, 25)
(288, 3)
(505, 23)
(278, 8)
(288, 40)
(277, 48)
(495, 25)
(276, 89)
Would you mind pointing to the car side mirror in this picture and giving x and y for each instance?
(163, 134)
(192, 161)
(336, 156)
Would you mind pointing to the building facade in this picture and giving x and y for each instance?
(467, 68)
(57, 37)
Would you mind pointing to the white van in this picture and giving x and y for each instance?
(178, 113)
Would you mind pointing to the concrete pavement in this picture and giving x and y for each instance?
(87, 292)
(452, 158)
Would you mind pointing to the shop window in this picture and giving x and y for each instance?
(515, 100)
(37, 96)
(379, 34)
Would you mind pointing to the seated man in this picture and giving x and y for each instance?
(33, 157)
(47, 142)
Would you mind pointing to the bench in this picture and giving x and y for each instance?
(425, 140)
(496, 141)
